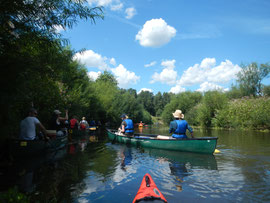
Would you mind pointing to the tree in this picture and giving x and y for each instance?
(250, 78)
(184, 101)
(34, 59)
(212, 102)
(107, 77)
(43, 17)
(146, 98)
(266, 90)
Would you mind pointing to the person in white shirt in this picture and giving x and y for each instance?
(83, 124)
(28, 126)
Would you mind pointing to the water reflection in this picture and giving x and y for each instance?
(126, 157)
(23, 172)
(92, 169)
(194, 160)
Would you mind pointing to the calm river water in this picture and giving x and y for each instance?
(92, 169)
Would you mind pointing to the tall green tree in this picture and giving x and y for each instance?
(250, 78)
(184, 101)
(33, 58)
(106, 91)
(146, 98)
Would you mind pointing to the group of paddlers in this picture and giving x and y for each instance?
(178, 127)
(58, 124)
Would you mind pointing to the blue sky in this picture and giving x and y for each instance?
(174, 45)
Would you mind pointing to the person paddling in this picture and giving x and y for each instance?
(127, 126)
(179, 126)
(28, 126)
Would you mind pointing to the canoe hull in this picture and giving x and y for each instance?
(20, 148)
(205, 145)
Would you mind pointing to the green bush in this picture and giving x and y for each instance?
(213, 101)
(14, 196)
(250, 113)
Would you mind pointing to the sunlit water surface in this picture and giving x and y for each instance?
(92, 169)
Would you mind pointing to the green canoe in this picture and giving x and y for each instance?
(206, 145)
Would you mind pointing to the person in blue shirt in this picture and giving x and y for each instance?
(127, 126)
(179, 126)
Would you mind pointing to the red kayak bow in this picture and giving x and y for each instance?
(148, 191)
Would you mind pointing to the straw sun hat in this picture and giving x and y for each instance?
(178, 114)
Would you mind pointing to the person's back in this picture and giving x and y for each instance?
(74, 123)
(129, 128)
(83, 124)
(28, 128)
(179, 126)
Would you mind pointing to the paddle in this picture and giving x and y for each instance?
(216, 151)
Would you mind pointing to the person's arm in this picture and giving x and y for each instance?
(172, 127)
(190, 130)
(123, 128)
(64, 118)
(43, 129)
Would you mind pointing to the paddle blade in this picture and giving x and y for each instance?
(216, 151)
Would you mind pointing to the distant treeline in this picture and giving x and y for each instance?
(38, 70)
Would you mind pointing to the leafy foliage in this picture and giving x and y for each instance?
(211, 103)
(250, 78)
(245, 113)
(184, 101)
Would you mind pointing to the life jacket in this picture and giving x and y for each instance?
(181, 127)
(73, 123)
(129, 128)
(180, 131)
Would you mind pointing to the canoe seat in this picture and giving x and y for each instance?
(51, 132)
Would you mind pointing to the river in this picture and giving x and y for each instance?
(92, 169)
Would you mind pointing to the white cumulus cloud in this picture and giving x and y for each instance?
(92, 60)
(177, 89)
(93, 75)
(124, 77)
(113, 61)
(208, 71)
(130, 12)
(155, 33)
(206, 86)
(168, 75)
(145, 90)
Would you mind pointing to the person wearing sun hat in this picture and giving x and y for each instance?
(179, 126)
(58, 123)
